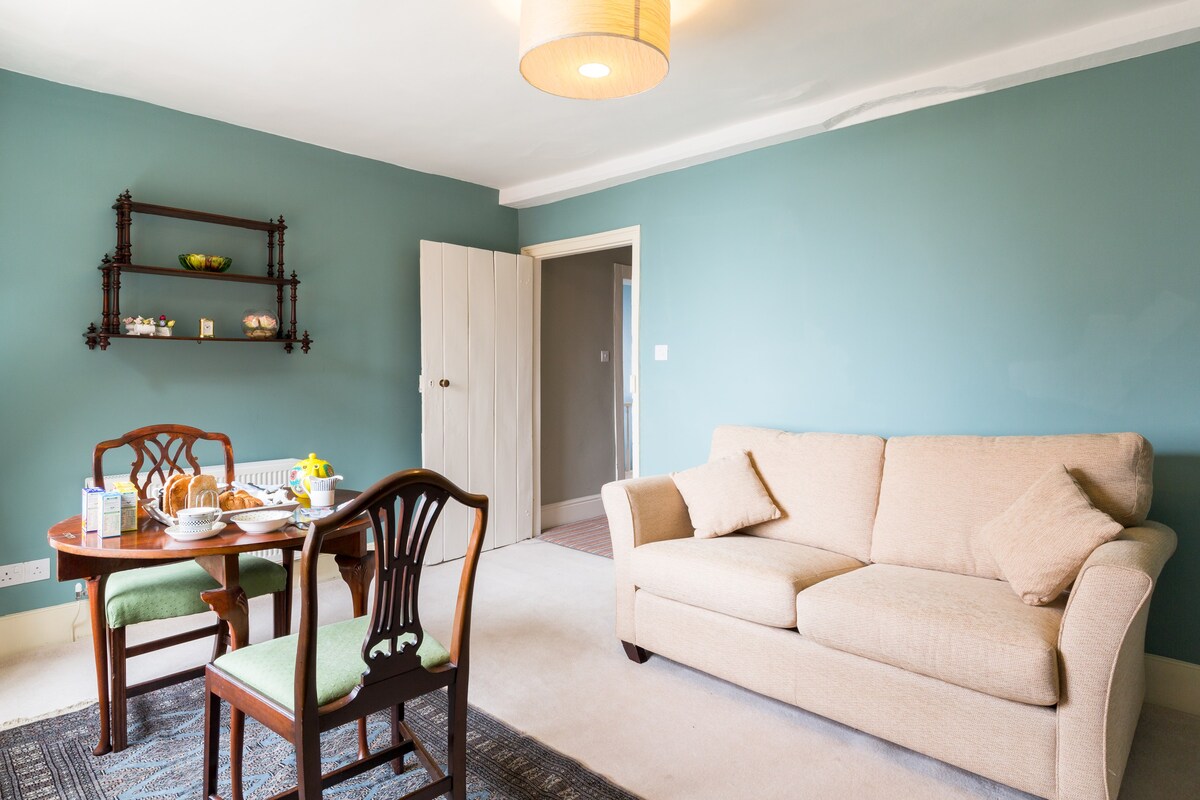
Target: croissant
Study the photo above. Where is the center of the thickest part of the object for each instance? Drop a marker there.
(237, 501)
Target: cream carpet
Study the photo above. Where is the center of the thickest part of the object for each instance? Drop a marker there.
(546, 662)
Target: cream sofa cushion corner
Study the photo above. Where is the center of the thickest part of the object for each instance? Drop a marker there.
(747, 577)
(724, 495)
(939, 491)
(826, 484)
(972, 632)
(1041, 540)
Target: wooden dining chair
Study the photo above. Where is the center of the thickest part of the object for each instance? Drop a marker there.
(302, 685)
(169, 591)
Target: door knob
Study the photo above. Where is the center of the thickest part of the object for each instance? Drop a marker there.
(443, 383)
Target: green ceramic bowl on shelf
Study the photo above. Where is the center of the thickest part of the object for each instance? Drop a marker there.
(202, 263)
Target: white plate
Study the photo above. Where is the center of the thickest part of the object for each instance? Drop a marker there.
(179, 535)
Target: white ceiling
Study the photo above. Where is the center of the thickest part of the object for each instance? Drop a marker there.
(433, 84)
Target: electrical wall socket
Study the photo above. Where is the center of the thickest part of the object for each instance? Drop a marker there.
(12, 574)
(25, 572)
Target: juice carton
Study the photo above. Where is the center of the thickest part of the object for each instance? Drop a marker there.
(129, 504)
(91, 509)
(110, 514)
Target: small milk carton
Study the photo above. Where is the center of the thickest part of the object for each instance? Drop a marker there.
(91, 509)
(110, 514)
(129, 504)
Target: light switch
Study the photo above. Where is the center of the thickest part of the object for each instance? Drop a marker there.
(603, 356)
(660, 352)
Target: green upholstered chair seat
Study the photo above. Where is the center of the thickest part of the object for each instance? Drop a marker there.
(270, 667)
(173, 590)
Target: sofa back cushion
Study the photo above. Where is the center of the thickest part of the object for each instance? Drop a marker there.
(826, 484)
(939, 491)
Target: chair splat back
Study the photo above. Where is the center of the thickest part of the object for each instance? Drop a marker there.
(385, 673)
(159, 452)
(401, 526)
(403, 509)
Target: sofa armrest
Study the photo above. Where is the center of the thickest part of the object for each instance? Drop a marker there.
(1102, 661)
(640, 511)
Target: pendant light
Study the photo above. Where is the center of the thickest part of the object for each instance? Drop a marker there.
(595, 49)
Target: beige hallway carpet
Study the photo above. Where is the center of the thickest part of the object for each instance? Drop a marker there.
(589, 536)
(546, 662)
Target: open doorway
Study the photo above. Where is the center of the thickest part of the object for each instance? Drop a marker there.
(582, 387)
(585, 373)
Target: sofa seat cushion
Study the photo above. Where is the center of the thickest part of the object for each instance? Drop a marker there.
(972, 632)
(748, 577)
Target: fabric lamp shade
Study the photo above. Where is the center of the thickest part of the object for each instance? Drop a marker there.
(595, 49)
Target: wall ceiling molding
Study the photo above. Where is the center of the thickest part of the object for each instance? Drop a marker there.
(435, 87)
(1104, 43)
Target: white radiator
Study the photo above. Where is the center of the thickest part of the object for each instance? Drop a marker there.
(261, 473)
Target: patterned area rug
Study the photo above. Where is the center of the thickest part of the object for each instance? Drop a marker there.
(53, 758)
(589, 536)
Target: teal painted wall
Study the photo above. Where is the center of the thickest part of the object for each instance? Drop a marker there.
(354, 228)
(1023, 262)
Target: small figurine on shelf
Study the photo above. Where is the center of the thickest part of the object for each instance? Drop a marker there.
(139, 326)
(260, 324)
(164, 326)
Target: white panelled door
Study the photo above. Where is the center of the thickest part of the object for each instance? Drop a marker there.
(477, 388)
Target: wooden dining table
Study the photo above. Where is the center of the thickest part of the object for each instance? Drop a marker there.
(89, 557)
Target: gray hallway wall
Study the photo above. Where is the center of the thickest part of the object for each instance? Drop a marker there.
(577, 389)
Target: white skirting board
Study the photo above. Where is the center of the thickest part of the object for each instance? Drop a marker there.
(568, 511)
(1172, 683)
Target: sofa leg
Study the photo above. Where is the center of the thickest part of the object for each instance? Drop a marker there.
(636, 654)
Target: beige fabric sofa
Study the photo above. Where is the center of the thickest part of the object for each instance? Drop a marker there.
(872, 601)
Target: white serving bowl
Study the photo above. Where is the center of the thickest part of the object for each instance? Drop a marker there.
(261, 521)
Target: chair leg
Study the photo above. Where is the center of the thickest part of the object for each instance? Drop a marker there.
(237, 738)
(288, 596)
(457, 739)
(308, 765)
(397, 718)
(120, 703)
(100, 651)
(280, 615)
(220, 641)
(212, 743)
(364, 749)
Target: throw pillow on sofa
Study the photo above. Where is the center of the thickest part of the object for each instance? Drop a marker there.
(724, 495)
(1041, 541)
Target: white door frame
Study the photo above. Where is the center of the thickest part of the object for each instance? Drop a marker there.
(608, 240)
(621, 274)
